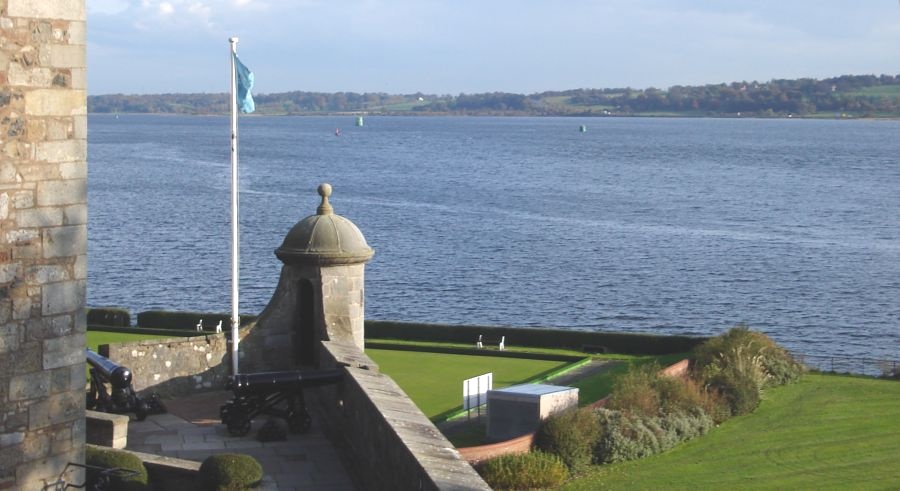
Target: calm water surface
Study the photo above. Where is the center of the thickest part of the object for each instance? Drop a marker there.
(682, 226)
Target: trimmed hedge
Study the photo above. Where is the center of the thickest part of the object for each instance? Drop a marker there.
(107, 458)
(108, 316)
(471, 351)
(230, 472)
(614, 342)
(174, 333)
(162, 319)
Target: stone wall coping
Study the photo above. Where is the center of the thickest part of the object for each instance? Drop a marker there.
(437, 460)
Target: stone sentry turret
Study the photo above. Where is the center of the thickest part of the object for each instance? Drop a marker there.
(320, 295)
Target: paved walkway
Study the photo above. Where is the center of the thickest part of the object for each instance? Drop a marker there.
(192, 430)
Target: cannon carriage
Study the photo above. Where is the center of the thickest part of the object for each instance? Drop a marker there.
(278, 394)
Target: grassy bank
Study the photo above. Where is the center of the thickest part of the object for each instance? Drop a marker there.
(824, 432)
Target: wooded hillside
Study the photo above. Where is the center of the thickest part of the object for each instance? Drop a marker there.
(844, 96)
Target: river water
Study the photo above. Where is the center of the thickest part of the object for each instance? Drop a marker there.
(684, 226)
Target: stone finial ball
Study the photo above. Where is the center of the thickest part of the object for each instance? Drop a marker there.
(324, 190)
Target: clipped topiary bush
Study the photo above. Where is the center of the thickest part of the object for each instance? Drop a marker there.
(534, 470)
(230, 472)
(571, 436)
(137, 480)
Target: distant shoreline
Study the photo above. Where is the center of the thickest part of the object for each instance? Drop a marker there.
(814, 116)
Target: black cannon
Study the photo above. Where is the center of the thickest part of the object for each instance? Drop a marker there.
(278, 394)
(121, 397)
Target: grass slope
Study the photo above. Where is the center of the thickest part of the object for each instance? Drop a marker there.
(434, 380)
(825, 432)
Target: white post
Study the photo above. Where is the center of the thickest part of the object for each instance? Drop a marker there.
(235, 238)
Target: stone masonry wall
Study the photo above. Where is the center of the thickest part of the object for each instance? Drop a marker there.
(43, 240)
(176, 366)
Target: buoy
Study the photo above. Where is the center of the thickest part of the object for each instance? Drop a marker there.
(359, 121)
(582, 128)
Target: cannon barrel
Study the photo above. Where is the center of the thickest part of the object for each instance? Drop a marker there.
(245, 384)
(117, 375)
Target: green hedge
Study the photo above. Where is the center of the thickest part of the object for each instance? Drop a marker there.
(613, 342)
(162, 319)
(108, 316)
(471, 351)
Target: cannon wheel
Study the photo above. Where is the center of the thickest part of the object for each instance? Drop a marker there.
(235, 419)
(239, 428)
(141, 410)
(299, 422)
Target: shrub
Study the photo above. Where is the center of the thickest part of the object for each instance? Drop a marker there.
(571, 436)
(230, 472)
(738, 364)
(646, 391)
(629, 436)
(524, 471)
(753, 354)
(116, 459)
(635, 391)
(739, 392)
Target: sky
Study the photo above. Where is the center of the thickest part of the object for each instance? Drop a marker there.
(463, 46)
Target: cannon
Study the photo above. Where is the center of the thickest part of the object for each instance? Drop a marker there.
(278, 394)
(121, 397)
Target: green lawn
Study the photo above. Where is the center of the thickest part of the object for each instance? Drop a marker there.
(825, 432)
(96, 338)
(434, 380)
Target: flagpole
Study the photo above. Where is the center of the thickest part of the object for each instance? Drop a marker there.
(235, 238)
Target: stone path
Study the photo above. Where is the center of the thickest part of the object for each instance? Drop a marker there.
(192, 430)
(595, 366)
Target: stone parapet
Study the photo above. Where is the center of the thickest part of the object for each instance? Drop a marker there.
(105, 429)
(174, 366)
(384, 437)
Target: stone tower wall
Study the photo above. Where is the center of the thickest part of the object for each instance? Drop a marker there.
(43, 240)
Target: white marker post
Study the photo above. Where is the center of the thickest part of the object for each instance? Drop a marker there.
(235, 237)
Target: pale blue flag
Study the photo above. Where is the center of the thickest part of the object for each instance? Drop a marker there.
(244, 85)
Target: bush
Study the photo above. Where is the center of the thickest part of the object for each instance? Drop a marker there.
(629, 436)
(739, 392)
(230, 472)
(753, 354)
(116, 459)
(647, 392)
(635, 391)
(524, 471)
(571, 436)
